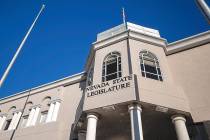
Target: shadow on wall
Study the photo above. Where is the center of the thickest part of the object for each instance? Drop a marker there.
(79, 110)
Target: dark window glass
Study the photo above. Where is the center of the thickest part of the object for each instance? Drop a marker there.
(120, 74)
(150, 69)
(111, 68)
(103, 72)
(111, 76)
(159, 71)
(143, 74)
(8, 122)
(142, 67)
(152, 76)
(103, 79)
(160, 77)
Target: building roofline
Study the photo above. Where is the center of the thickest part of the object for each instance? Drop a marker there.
(171, 48)
(62, 81)
(188, 43)
(118, 30)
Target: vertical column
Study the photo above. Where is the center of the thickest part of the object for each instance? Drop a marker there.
(180, 127)
(17, 120)
(13, 120)
(136, 123)
(91, 126)
(55, 112)
(30, 117)
(50, 112)
(34, 118)
(3, 118)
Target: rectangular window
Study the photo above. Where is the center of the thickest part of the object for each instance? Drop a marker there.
(8, 122)
(43, 117)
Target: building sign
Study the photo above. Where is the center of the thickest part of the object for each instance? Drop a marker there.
(109, 86)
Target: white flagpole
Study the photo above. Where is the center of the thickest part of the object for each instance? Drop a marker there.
(124, 18)
(204, 8)
(123, 14)
(19, 48)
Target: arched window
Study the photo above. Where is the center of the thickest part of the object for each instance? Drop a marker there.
(45, 109)
(111, 67)
(12, 119)
(150, 66)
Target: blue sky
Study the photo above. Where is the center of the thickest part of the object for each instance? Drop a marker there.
(59, 44)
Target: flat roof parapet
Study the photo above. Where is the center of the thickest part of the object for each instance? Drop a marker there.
(122, 28)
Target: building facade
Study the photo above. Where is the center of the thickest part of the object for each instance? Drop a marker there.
(134, 86)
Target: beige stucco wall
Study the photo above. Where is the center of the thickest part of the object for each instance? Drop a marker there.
(70, 97)
(165, 93)
(103, 52)
(122, 95)
(191, 71)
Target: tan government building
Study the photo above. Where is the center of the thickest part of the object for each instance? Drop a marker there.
(135, 86)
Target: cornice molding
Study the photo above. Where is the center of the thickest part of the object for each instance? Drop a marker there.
(61, 82)
(188, 43)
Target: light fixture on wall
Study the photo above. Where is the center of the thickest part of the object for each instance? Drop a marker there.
(108, 108)
(161, 109)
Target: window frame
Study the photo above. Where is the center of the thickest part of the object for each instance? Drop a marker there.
(152, 58)
(119, 66)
